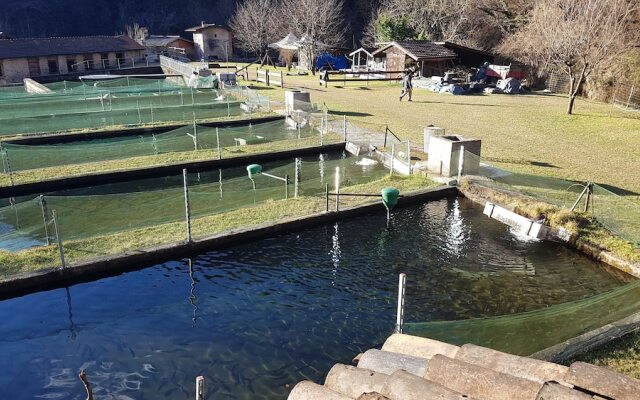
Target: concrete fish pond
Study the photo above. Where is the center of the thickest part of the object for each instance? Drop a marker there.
(255, 319)
(106, 209)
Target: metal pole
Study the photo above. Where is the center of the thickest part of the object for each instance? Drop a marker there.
(286, 187)
(337, 186)
(59, 239)
(43, 206)
(409, 156)
(218, 141)
(460, 164)
(386, 131)
(200, 388)
(195, 132)
(152, 119)
(139, 114)
(344, 128)
(220, 182)
(402, 287)
(393, 157)
(297, 178)
(630, 95)
(187, 207)
(193, 102)
(589, 193)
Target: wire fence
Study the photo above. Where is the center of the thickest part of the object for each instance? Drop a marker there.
(28, 222)
(626, 97)
(617, 213)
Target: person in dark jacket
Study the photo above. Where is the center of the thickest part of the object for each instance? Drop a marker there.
(407, 83)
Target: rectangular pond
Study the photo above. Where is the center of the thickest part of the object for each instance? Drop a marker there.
(257, 318)
(102, 210)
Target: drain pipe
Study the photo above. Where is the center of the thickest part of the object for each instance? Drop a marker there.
(402, 287)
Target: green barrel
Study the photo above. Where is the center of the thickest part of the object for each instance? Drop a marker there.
(390, 197)
(254, 169)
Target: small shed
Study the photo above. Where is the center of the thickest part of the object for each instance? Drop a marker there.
(468, 56)
(362, 59)
(428, 57)
(171, 46)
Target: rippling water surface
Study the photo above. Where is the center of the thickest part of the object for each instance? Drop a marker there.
(257, 318)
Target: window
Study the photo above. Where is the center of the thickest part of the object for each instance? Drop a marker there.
(53, 65)
(88, 61)
(1, 74)
(34, 66)
(105, 60)
(71, 64)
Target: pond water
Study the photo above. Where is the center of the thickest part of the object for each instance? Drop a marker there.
(257, 318)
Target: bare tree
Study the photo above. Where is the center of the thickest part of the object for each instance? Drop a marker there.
(319, 22)
(137, 32)
(254, 26)
(576, 37)
(446, 20)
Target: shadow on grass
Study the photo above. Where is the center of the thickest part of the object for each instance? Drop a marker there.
(351, 113)
(459, 104)
(260, 88)
(521, 162)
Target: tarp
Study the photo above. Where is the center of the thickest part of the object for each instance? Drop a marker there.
(336, 62)
(509, 85)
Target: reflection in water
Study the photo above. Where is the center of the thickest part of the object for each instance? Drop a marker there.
(192, 294)
(267, 314)
(73, 330)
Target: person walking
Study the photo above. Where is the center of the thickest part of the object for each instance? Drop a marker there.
(407, 84)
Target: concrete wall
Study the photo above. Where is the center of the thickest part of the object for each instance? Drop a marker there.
(211, 42)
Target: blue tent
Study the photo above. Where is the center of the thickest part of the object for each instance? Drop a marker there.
(323, 61)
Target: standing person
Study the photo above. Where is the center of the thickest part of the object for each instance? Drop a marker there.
(407, 84)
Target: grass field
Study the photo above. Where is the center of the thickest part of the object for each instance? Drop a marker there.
(523, 133)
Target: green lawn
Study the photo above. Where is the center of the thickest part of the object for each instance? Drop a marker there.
(523, 133)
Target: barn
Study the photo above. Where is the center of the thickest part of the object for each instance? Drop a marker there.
(427, 57)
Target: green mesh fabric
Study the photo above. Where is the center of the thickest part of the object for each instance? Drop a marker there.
(526, 333)
(22, 225)
(109, 104)
(24, 157)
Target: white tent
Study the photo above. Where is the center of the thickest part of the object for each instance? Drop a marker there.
(289, 42)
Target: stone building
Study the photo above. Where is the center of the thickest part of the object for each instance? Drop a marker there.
(212, 42)
(55, 56)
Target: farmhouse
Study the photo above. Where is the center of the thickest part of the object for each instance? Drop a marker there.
(212, 42)
(172, 46)
(428, 57)
(39, 57)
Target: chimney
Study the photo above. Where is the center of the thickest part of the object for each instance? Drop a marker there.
(202, 22)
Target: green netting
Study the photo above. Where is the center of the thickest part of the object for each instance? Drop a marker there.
(22, 225)
(24, 157)
(526, 333)
(615, 212)
(109, 103)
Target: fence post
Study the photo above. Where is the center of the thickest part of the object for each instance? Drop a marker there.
(195, 132)
(393, 157)
(218, 143)
(344, 128)
(386, 132)
(193, 101)
(43, 206)
(139, 113)
(286, 187)
(281, 80)
(337, 183)
(152, 119)
(402, 287)
(297, 178)
(460, 164)
(267, 78)
(200, 388)
(58, 238)
(630, 95)
(409, 156)
(187, 208)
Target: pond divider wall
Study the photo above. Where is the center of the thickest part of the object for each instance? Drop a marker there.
(56, 138)
(139, 259)
(103, 178)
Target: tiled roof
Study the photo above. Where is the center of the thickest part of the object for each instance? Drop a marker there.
(59, 46)
(202, 26)
(420, 49)
(161, 41)
(410, 367)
